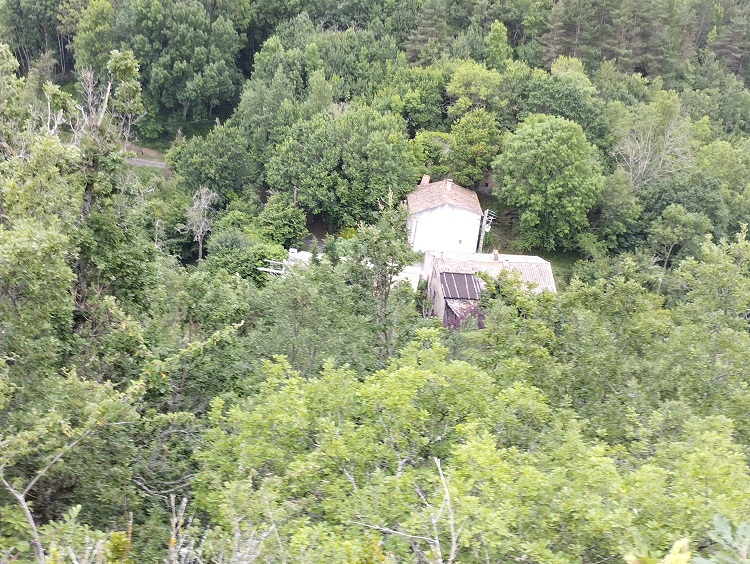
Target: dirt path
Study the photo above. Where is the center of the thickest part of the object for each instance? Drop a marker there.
(146, 162)
(145, 157)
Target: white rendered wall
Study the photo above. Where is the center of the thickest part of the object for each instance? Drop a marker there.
(435, 295)
(445, 228)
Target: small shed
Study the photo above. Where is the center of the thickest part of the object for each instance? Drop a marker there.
(443, 216)
(455, 297)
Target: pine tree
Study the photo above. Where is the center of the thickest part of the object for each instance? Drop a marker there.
(431, 35)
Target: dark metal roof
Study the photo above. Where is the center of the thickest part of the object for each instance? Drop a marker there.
(459, 286)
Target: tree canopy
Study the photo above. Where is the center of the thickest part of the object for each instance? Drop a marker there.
(549, 170)
(178, 385)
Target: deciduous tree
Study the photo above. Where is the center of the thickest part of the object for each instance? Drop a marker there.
(281, 221)
(549, 170)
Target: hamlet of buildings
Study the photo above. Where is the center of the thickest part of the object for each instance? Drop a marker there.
(446, 223)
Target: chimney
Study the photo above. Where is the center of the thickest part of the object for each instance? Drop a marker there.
(448, 184)
(495, 254)
(425, 180)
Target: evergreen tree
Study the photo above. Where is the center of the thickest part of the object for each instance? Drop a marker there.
(429, 39)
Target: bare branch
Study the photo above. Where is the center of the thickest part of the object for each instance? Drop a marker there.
(393, 532)
(36, 539)
(54, 461)
(275, 530)
(451, 514)
(198, 221)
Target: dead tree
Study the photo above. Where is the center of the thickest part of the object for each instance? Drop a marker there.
(198, 217)
(434, 553)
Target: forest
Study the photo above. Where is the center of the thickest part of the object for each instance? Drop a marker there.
(163, 399)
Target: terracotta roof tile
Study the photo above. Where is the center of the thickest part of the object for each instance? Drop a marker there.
(434, 194)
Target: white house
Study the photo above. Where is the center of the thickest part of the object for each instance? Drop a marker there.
(443, 216)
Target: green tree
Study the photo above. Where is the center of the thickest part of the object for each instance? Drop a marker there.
(217, 161)
(30, 29)
(616, 217)
(81, 413)
(386, 452)
(417, 94)
(309, 301)
(378, 255)
(126, 106)
(281, 222)
(694, 189)
(474, 86)
(716, 92)
(549, 170)
(345, 167)
(677, 228)
(432, 149)
(13, 113)
(612, 84)
(728, 164)
(474, 144)
(428, 40)
(95, 37)
(187, 52)
(36, 307)
(239, 253)
(574, 30)
(320, 96)
(497, 50)
(662, 484)
(567, 92)
(266, 111)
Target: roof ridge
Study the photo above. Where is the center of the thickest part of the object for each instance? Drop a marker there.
(442, 192)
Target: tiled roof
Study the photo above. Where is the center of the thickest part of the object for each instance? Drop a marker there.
(534, 272)
(434, 194)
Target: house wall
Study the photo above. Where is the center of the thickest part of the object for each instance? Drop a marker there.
(486, 185)
(435, 294)
(451, 320)
(445, 228)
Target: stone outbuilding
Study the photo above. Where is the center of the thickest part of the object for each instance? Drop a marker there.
(453, 287)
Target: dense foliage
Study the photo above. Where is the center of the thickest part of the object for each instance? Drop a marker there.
(147, 357)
